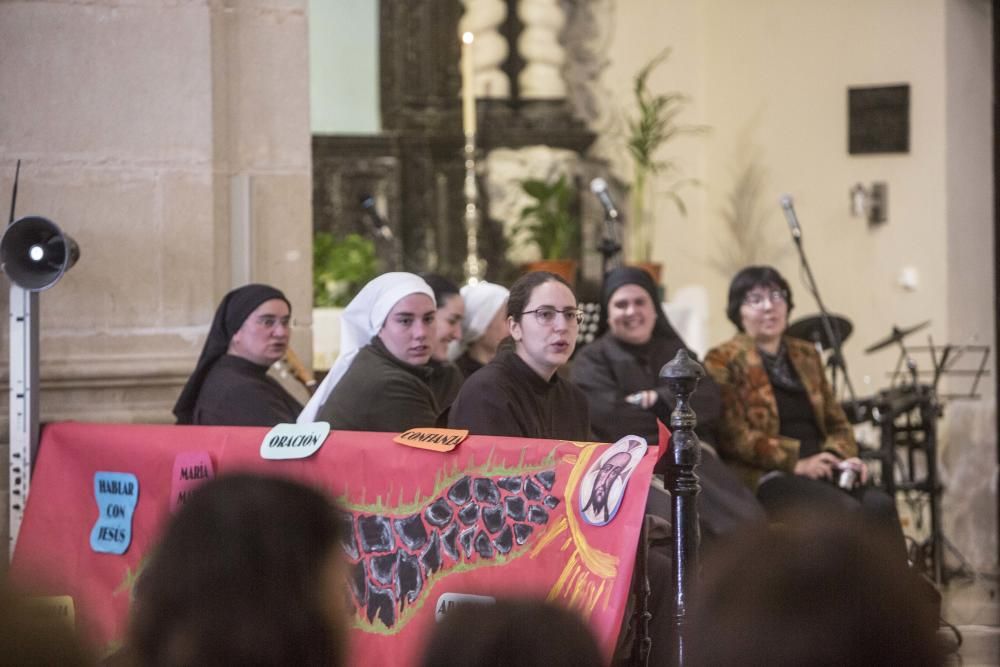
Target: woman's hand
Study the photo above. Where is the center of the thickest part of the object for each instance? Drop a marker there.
(817, 466)
(644, 399)
(858, 466)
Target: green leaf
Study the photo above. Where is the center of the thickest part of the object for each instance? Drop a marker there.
(537, 189)
(341, 267)
(547, 223)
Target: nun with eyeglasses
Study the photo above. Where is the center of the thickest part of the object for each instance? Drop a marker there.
(230, 385)
(519, 393)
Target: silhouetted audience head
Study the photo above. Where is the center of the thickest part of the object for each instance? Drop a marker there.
(526, 633)
(811, 591)
(249, 572)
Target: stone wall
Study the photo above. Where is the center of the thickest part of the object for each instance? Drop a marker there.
(171, 140)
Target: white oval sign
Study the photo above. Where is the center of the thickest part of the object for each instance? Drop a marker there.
(603, 485)
(294, 441)
(448, 602)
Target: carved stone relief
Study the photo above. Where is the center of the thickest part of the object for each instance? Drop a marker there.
(419, 89)
(505, 169)
(538, 44)
(483, 18)
(347, 169)
(587, 37)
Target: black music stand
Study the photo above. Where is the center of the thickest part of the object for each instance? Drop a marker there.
(967, 362)
(907, 413)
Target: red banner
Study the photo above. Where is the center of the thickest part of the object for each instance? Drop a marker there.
(494, 517)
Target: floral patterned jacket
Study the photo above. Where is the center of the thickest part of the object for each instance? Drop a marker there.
(748, 438)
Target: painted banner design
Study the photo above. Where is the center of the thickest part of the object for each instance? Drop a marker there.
(494, 517)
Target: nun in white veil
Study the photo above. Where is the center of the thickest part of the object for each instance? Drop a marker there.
(380, 380)
(484, 326)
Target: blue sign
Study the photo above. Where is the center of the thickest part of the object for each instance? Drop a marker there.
(117, 494)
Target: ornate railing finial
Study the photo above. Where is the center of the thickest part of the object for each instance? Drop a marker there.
(681, 375)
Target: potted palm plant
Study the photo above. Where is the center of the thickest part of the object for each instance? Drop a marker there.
(549, 225)
(654, 126)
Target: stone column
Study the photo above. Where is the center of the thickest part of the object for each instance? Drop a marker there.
(172, 141)
(544, 56)
(483, 19)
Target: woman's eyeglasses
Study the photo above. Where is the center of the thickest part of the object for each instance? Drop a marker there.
(546, 315)
(756, 299)
(270, 321)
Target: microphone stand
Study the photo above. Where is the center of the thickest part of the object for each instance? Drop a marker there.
(609, 245)
(831, 333)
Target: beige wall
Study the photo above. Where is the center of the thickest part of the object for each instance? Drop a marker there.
(134, 120)
(777, 79)
(968, 456)
(642, 29)
(770, 79)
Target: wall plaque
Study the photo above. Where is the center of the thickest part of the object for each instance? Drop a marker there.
(878, 119)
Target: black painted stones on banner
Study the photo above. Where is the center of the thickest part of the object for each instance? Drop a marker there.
(476, 521)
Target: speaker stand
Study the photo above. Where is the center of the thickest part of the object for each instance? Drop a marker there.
(23, 401)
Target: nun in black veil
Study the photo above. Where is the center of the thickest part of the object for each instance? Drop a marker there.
(229, 385)
(619, 373)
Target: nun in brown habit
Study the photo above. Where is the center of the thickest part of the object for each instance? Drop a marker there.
(519, 393)
(230, 385)
(619, 374)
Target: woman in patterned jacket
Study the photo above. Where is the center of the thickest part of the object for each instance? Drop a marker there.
(782, 429)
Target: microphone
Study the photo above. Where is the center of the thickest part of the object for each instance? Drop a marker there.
(793, 222)
(600, 188)
(379, 225)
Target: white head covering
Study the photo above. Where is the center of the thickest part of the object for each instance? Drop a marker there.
(362, 319)
(482, 301)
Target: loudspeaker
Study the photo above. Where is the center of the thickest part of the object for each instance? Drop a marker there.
(35, 253)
